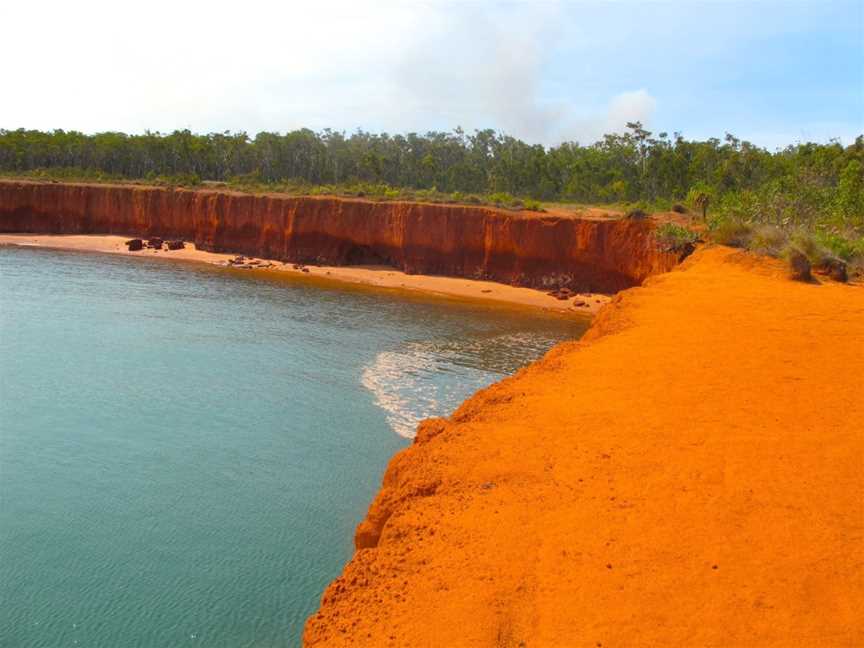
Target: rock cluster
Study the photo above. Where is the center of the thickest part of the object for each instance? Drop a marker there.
(245, 263)
(154, 243)
(564, 293)
(561, 293)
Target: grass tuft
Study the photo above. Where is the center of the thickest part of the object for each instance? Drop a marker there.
(768, 239)
(733, 233)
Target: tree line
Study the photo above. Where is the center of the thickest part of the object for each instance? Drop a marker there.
(803, 183)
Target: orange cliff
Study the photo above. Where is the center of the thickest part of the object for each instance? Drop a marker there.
(524, 248)
(691, 473)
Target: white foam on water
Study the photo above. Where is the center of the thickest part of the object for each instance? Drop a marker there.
(427, 379)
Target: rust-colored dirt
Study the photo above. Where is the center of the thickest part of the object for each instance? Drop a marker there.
(690, 474)
(589, 254)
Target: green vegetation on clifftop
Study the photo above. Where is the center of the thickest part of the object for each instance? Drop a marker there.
(817, 188)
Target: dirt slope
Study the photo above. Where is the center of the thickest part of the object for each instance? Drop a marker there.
(691, 474)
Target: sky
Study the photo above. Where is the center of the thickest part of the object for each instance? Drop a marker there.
(774, 73)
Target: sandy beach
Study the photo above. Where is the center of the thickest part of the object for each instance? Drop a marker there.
(376, 276)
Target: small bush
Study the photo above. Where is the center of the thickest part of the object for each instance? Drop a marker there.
(637, 214)
(843, 247)
(799, 264)
(678, 208)
(674, 238)
(807, 244)
(533, 205)
(500, 198)
(700, 198)
(768, 239)
(733, 233)
(834, 268)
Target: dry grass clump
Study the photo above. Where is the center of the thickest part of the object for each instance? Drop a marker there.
(821, 259)
(733, 233)
(768, 239)
(832, 255)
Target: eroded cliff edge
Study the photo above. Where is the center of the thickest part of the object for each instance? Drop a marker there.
(688, 474)
(525, 249)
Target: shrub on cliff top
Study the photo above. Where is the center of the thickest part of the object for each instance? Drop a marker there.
(799, 264)
(733, 233)
(848, 248)
(500, 199)
(807, 244)
(675, 238)
(768, 239)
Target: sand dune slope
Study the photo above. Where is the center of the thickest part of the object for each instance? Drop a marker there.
(690, 474)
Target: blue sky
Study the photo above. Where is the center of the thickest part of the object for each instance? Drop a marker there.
(771, 72)
(774, 72)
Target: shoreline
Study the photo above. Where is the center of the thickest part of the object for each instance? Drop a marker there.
(382, 277)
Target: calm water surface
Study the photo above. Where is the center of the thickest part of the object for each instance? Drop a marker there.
(185, 451)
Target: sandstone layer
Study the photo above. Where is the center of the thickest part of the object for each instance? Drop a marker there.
(520, 248)
(691, 473)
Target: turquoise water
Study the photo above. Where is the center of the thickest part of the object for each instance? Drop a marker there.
(185, 451)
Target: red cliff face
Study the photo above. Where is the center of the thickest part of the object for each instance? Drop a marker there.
(527, 249)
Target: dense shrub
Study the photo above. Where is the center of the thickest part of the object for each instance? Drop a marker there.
(675, 238)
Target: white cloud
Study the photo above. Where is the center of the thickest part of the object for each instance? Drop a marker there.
(542, 71)
(633, 106)
(393, 66)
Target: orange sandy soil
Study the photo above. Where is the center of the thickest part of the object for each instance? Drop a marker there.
(375, 276)
(689, 474)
